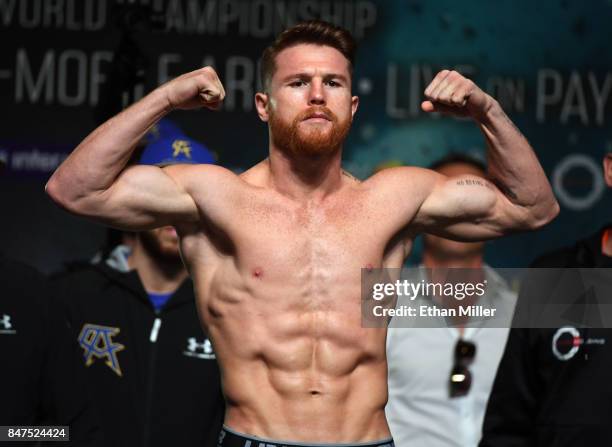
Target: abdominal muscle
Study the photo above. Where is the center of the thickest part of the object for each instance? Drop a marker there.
(282, 305)
(296, 364)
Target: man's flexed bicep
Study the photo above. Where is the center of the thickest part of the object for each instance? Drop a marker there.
(468, 207)
(95, 182)
(518, 195)
(142, 197)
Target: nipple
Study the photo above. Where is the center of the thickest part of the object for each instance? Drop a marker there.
(258, 272)
(369, 267)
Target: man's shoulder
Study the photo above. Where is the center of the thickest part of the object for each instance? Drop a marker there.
(256, 176)
(202, 177)
(403, 172)
(401, 180)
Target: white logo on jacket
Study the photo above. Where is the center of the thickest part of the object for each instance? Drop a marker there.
(5, 321)
(202, 350)
(566, 342)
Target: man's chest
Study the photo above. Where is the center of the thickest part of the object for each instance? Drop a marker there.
(328, 241)
(316, 240)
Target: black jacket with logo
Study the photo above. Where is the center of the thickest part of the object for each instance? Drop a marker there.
(41, 382)
(551, 395)
(154, 376)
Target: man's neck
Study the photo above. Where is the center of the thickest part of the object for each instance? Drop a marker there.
(432, 260)
(305, 177)
(157, 276)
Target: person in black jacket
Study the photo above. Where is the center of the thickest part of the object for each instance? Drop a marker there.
(553, 386)
(41, 381)
(149, 363)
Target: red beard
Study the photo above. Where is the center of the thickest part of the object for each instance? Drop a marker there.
(312, 142)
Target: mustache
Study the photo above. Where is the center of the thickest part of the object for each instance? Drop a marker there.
(317, 111)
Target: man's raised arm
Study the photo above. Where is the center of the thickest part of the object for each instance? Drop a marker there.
(516, 194)
(94, 181)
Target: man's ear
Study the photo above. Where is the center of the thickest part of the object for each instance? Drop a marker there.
(607, 165)
(354, 105)
(262, 101)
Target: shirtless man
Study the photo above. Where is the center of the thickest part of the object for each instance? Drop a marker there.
(276, 253)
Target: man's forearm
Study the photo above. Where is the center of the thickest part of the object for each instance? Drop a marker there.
(513, 166)
(97, 161)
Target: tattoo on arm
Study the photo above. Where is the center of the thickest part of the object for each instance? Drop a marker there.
(473, 182)
(481, 182)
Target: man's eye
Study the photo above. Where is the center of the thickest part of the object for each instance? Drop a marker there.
(297, 83)
(332, 83)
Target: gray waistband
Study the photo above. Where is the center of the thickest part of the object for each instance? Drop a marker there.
(308, 444)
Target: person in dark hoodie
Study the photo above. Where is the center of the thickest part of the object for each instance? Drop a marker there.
(553, 386)
(149, 364)
(42, 384)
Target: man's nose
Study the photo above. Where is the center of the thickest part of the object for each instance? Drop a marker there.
(316, 94)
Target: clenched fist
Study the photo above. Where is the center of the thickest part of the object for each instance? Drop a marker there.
(199, 88)
(453, 94)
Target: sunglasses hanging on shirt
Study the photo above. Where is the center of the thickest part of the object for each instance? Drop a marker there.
(461, 377)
